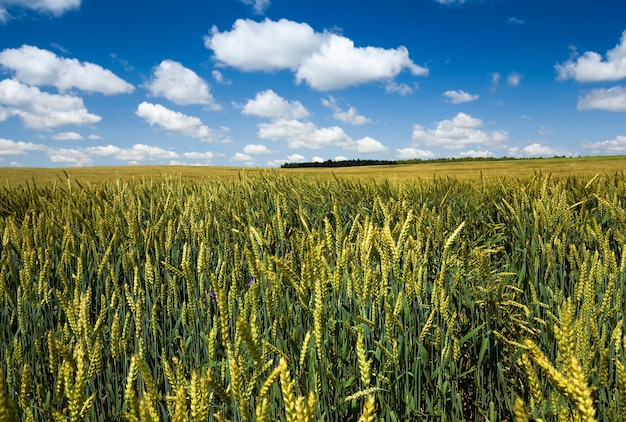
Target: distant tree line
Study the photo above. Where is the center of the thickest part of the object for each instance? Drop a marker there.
(342, 163)
(359, 162)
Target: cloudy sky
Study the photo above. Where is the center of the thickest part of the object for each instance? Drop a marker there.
(262, 82)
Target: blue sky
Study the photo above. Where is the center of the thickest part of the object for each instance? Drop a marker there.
(262, 82)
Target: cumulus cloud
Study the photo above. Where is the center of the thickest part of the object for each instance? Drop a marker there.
(87, 155)
(258, 6)
(307, 135)
(350, 116)
(339, 64)
(477, 154)
(538, 150)
(612, 99)
(256, 149)
(68, 136)
(411, 153)
(459, 97)
(613, 146)
(176, 122)
(137, 152)
(41, 110)
(240, 157)
(54, 7)
(180, 85)
(457, 133)
(304, 134)
(10, 147)
(265, 46)
(35, 66)
(592, 67)
(207, 155)
(317, 159)
(69, 156)
(514, 79)
(296, 158)
(397, 88)
(368, 145)
(94, 137)
(271, 105)
(325, 61)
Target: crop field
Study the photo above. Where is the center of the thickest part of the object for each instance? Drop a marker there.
(276, 296)
(558, 167)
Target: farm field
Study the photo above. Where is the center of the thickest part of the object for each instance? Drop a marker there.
(274, 295)
(558, 167)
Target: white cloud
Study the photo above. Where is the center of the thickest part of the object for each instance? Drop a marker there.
(477, 154)
(40, 110)
(307, 135)
(341, 158)
(180, 85)
(339, 64)
(396, 88)
(324, 61)
(9, 147)
(68, 136)
(219, 78)
(15, 163)
(538, 150)
(515, 21)
(317, 159)
(36, 66)
(457, 133)
(258, 6)
(368, 145)
(137, 152)
(269, 104)
(351, 116)
(54, 7)
(614, 146)
(176, 122)
(592, 67)
(612, 99)
(71, 157)
(266, 46)
(85, 156)
(94, 137)
(296, 158)
(256, 149)
(451, 1)
(304, 134)
(207, 155)
(277, 162)
(514, 79)
(411, 153)
(240, 157)
(459, 97)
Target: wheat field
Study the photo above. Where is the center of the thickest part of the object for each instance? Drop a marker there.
(267, 297)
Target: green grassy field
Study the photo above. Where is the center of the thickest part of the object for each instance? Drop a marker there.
(560, 167)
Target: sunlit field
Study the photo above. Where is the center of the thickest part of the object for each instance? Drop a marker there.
(559, 167)
(481, 291)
